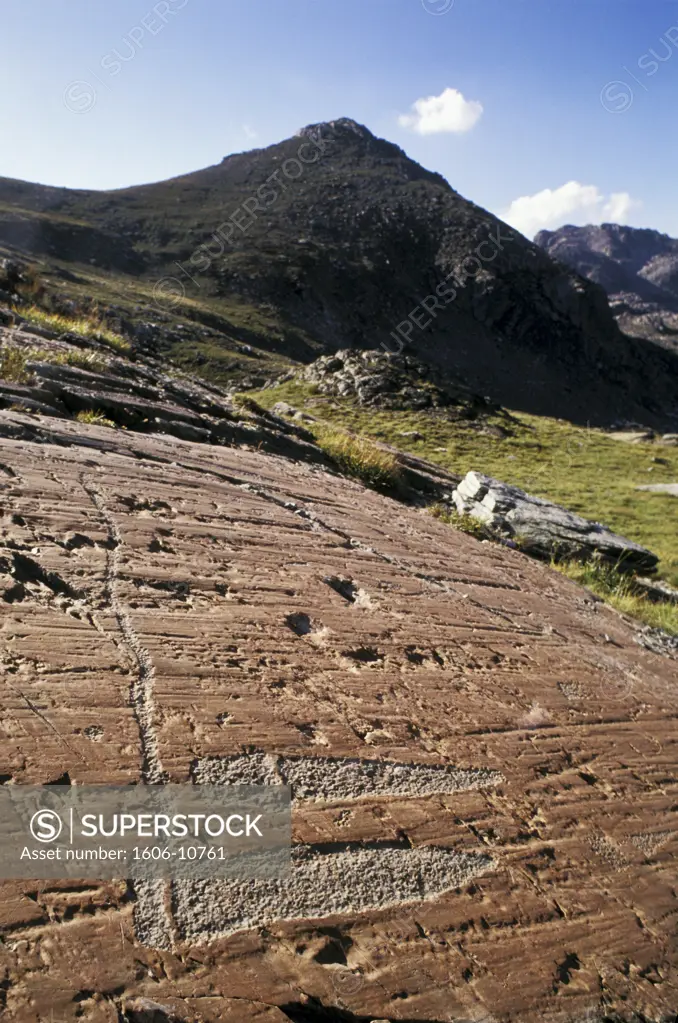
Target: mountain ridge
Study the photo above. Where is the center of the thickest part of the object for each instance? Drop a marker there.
(352, 242)
(637, 267)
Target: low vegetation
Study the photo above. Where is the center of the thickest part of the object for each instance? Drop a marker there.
(243, 401)
(91, 361)
(465, 523)
(582, 469)
(84, 326)
(619, 591)
(13, 365)
(360, 458)
(93, 418)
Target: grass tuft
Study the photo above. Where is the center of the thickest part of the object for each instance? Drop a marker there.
(13, 365)
(618, 590)
(465, 523)
(91, 361)
(359, 457)
(243, 401)
(93, 418)
(84, 326)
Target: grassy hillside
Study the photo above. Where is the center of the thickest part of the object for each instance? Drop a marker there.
(583, 469)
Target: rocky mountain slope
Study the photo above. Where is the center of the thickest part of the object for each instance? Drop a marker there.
(637, 267)
(189, 609)
(481, 754)
(335, 239)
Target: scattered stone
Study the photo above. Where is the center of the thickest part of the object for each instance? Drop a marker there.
(633, 436)
(656, 589)
(281, 408)
(544, 529)
(661, 488)
(658, 641)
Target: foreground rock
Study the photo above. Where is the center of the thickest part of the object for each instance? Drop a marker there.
(504, 742)
(544, 529)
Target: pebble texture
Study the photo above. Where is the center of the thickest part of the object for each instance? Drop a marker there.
(172, 610)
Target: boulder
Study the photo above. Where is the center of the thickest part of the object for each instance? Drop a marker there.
(544, 529)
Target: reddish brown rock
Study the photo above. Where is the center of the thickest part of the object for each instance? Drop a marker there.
(166, 605)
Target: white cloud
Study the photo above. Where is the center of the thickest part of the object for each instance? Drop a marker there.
(572, 203)
(250, 133)
(449, 112)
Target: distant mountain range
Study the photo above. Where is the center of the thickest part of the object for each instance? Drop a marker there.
(637, 267)
(333, 239)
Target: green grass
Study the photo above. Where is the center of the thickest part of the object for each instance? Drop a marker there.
(93, 418)
(84, 326)
(13, 365)
(359, 458)
(619, 592)
(585, 470)
(465, 523)
(91, 361)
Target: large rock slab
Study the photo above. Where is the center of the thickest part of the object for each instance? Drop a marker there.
(506, 741)
(545, 529)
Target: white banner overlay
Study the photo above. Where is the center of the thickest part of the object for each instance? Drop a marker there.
(144, 831)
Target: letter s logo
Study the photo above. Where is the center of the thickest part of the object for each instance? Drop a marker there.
(46, 825)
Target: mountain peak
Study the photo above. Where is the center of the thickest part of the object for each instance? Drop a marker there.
(342, 127)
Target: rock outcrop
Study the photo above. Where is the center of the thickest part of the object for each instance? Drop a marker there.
(377, 379)
(482, 757)
(637, 267)
(544, 529)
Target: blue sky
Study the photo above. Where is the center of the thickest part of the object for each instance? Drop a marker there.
(560, 104)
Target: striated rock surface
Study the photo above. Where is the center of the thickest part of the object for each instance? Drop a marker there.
(545, 529)
(203, 613)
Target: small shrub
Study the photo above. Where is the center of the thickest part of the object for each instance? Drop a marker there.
(93, 418)
(360, 458)
(13, 365)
